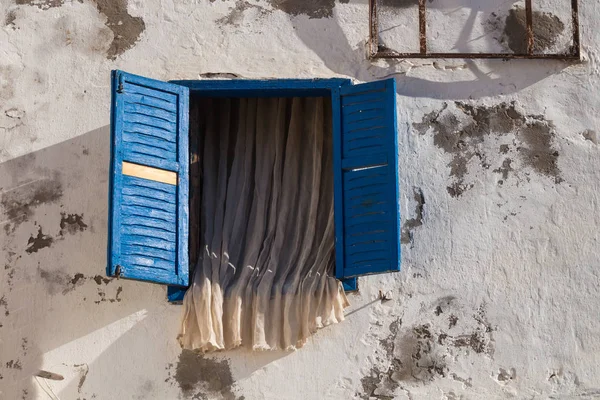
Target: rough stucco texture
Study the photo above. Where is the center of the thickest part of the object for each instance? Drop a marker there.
(498, 294)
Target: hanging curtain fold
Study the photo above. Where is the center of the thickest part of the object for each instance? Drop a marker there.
(265, 275)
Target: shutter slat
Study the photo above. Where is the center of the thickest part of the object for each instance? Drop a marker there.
(149, 130)
(143, 109)
(149, 200)
(131, 98)
(366, 190)
(351, 120)
(149, 242)
(150, 141)
(358, 109)
(142, 211)
(153, 91)
(149, 222)
(362, 98)
(146, 251)
(168, 128)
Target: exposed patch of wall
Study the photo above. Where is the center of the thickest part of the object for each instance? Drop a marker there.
(461, 129)
(236, 13)
(412, 223)
(590, 135)
(42, 4)
(18, 203)
(413, 355)
(57, 281)
(398, 3)
(71, 223)
(38, 242)
(201, 377)
(126, 28)
(311, 8)
(547, 28)
(9, 20)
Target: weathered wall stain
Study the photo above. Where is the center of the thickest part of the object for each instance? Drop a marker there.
(18, 203)
(547, 28)
(10, 18)
(71, 223)
(236, 13)
(417, 220)
(313, 9)
(99, 279)
(219, 75)
(504, 169)
(59, 281)
(462, 132)
(4, 305)
(590, 135)
(380, 383)
(38, 242)
(202, 377)
(421, 353)
(84, 369)
(102, 296)
(126, 28)
(42, 4)
(14, 364)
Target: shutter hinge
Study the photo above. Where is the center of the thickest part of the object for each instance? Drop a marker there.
(118, 271)
(120, 85)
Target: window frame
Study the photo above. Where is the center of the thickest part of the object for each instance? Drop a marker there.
(271, 88)
(375, 52)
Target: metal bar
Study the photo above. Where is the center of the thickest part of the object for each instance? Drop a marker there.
(576, 50)
(503, 56)
(574, 54)
(373, 28)
(529, 22)
(422, 27)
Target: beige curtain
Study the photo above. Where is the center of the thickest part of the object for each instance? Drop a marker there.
(265, 277)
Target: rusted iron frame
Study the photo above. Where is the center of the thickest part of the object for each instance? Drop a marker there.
(422, 28)
(529, 23)
(373, 28)
(374, 39)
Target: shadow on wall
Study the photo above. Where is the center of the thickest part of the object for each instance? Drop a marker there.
(327, 39)
(58, 310)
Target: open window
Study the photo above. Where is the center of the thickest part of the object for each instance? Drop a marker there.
(154, 223)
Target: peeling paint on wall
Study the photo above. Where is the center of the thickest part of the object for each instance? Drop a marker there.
(18, 203)
(42, 4)
(412, 223)
(9, 20)
(71, 223)
(511, 30)
(313, 9)
(429, 350)
(310, 8)
(36, 243)
(463, 130)
(126, 28)
(202, 377)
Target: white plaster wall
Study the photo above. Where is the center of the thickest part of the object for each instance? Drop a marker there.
(498, 294)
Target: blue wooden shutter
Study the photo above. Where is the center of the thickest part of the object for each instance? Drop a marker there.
(367, 212)
(148, 232)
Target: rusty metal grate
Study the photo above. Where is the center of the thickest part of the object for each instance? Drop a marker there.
(377, 51)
